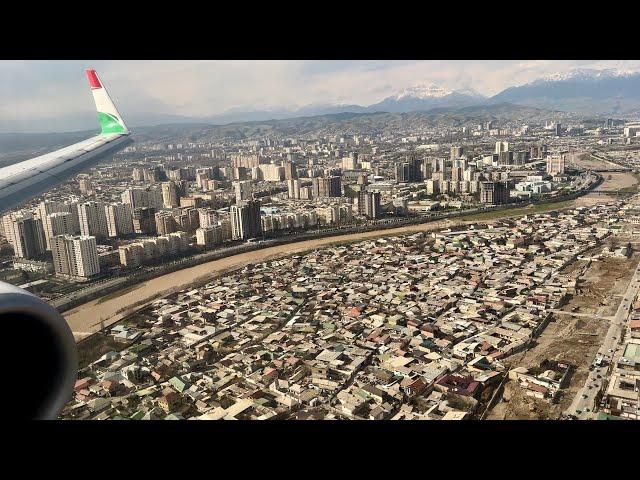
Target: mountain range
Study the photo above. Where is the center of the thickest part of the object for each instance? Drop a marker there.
(583, 91)
(608, 92)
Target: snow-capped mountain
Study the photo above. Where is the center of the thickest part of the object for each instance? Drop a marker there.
(423, 91)
(586, 74)
(607, 91)
(426, 97)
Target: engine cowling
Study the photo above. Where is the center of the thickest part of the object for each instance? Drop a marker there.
(46, 357)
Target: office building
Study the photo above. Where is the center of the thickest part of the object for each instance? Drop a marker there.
(558, 129)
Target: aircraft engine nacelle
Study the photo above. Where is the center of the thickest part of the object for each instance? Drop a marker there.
(46, 359)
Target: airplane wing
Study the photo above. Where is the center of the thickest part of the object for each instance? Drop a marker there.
(24, 180)
(52, 350)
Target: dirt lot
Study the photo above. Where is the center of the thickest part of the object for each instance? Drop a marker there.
(572, 337)
(588, 161)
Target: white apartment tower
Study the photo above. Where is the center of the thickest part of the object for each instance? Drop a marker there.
(75, 256)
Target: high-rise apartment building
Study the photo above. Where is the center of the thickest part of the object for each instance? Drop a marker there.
(555, 164)
(456, 152)
(170, 197)
(207, 217)
(25, 234)
(243, 190)
(48, 207)
(75, 256)
(93, 220)
(369, 204)
(119, 219)
(209, 236)
(495, 193)
(433, 187)
(502, 147)
(245, 220)
(293, 188)
(349, 163)
(165, 223)
(59, 223)
(290, 171)
(86, 188)
(144, 220)
(327, 187)
(136, 197)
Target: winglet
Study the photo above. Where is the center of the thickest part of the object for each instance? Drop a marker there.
(110, 120)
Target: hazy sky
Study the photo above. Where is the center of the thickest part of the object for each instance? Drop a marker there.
(54, 96)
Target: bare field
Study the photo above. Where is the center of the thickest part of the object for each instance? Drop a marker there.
(573, 337)
(589, 162)
(618, 181)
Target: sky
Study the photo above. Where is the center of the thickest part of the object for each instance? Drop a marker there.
(53, 95)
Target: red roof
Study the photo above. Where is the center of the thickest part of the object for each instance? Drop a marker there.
(537, 388)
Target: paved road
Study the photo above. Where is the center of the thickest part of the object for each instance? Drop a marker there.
(584, 401)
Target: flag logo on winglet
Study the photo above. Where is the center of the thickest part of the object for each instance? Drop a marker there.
(93, 79)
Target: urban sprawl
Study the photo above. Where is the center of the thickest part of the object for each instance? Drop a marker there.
(425, 325)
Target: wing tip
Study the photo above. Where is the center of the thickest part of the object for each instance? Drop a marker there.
(94, 81)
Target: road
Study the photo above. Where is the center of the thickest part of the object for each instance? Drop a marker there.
(584, 401)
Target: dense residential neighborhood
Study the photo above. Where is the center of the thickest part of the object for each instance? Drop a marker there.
(411, 327)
